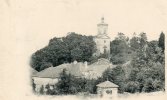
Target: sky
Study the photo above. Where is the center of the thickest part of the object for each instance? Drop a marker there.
(28, 25)
(41, 20)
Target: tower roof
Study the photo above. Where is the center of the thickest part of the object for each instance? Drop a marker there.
(107, 84)
(102, 22)
(54, 72)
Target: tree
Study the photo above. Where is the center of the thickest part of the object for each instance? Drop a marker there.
(134, 43)
(33, 85)
(41, 90)
(66, 84)
(63, 50)
(158, 85)
(121, 36)
(115, 75)
(45, 65)
(120, 50)
(76, 54)
(148, 69)
(132, 87)
(50, 91)
(161, 43)
(148, 86)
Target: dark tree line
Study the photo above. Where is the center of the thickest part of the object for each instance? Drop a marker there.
(63, 50)
(146, 72)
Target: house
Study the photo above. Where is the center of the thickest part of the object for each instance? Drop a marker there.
(50, 76)
(33, 71)
(107, 88)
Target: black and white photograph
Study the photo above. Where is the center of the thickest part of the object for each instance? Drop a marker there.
(83, 50)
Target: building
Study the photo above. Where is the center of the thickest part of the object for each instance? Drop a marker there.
(107, 88)
(33, 72)
(50, 76)
(102, 39)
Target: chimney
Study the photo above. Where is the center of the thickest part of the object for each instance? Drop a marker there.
(86, 64)
(75, 62)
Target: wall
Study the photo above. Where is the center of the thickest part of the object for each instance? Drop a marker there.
(100, 44)
(44, 81)
(102, 91)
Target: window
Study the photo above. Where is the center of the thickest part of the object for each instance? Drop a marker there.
(104, 41)
(109, 91)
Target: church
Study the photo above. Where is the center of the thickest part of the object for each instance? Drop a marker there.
(102, 39)
(79, 69)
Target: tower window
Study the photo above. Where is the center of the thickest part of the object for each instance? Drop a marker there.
(104, 41)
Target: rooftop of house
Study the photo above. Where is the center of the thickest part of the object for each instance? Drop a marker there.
(107, 84)
(33, 72)
(54, 72)
(78, 69)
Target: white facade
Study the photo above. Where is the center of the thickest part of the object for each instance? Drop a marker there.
(39, 82)
(107, 91)
(103, 45)
(102, 40)
(107, 88)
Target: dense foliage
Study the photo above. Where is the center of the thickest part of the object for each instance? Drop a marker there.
(61, 50)
(120, 50)
(161, 42)
(144, 73)
(115, 75)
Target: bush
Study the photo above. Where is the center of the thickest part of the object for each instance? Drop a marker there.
(41, 90)
(132, 87)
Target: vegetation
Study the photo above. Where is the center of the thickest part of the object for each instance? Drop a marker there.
(68, 84)
(33, 85)
(146, 70)
(161, 42)
(62, 50)
(120, 50)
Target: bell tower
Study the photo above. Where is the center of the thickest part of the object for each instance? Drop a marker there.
(102, 27)
(102, 39)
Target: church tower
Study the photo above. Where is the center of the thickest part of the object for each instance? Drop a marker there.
(102, 39)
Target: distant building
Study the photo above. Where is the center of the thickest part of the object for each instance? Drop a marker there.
(107, 88)
(102, 39)
(78, 69)
(50, 76)
(33, 72)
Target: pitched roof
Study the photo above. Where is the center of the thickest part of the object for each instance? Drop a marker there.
(107, 84)
(54, 72)
(79, 69)
(33, 72)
